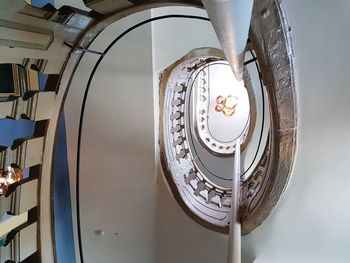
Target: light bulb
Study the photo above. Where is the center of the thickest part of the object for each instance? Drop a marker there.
(226, 105)
(230, 102)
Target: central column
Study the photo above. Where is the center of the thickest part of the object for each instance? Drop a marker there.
(234, 249)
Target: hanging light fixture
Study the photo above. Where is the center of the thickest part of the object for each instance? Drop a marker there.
(226, 105)
(9, 176)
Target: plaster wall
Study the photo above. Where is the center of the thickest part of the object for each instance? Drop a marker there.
(119, 192)
(311, 224)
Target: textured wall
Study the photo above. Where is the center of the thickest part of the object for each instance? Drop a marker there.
(311, 223)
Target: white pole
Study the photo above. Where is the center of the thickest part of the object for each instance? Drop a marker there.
(231, 20)
(234, 249)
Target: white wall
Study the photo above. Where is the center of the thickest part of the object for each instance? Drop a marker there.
(119, 192)
(311, 224)
(116, 131)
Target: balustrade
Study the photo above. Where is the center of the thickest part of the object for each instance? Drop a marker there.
(32, 40)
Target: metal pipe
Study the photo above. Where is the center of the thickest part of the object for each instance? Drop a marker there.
(231, 21)
(234, 249)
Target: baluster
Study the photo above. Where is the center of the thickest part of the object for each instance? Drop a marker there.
(20, 243)
(35, 106)
(20, 197)
(24, 153)
(34, 46)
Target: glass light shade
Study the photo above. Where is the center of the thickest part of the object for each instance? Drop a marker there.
(3, 184)
(8, 177)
